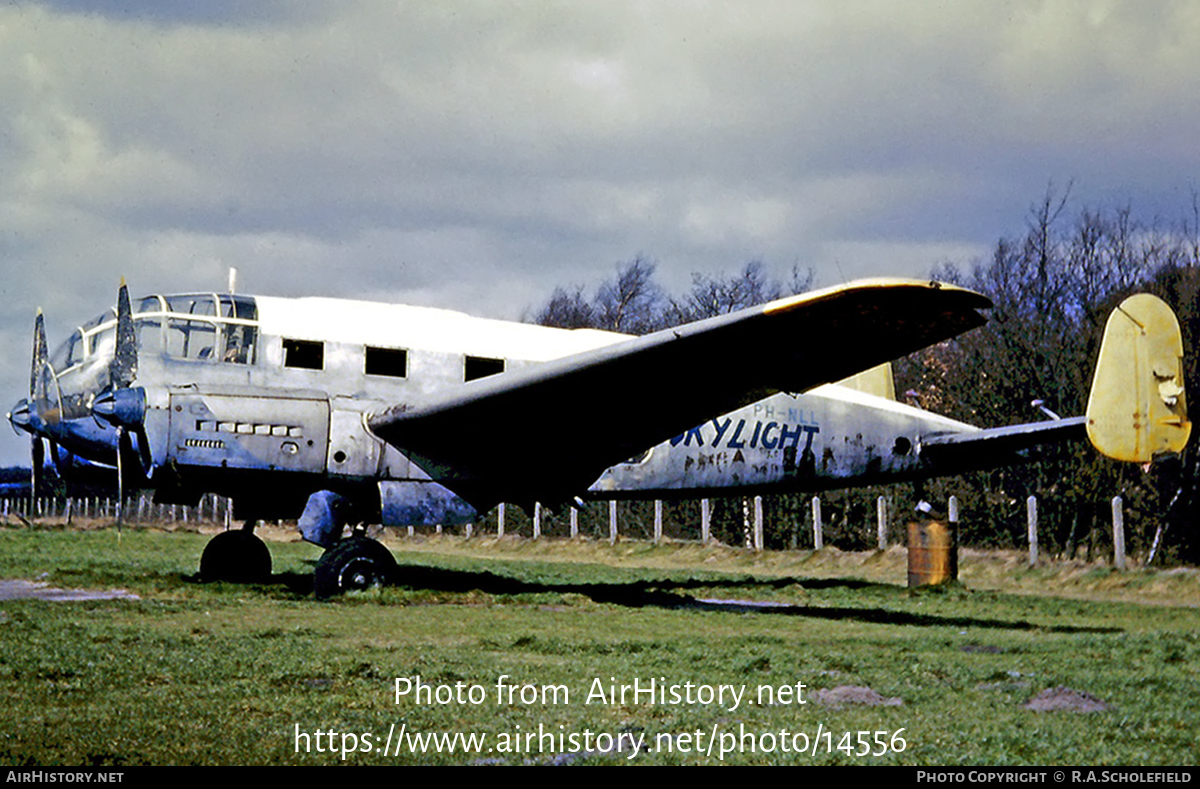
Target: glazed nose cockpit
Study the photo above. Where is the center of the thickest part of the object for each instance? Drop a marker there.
(82, 397)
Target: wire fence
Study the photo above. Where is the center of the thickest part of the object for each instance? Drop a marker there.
(754, 523)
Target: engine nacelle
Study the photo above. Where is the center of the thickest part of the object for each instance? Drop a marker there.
(401, 503)
(422, 503)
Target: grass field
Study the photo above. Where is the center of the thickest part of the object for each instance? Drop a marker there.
(194, 673)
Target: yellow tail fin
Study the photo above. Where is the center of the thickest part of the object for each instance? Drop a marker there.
(1137, 409)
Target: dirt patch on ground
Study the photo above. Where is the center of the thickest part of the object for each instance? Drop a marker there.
(1066, 700)
(39, 590)
(854, 694)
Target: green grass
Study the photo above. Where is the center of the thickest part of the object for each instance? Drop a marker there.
(198, 673)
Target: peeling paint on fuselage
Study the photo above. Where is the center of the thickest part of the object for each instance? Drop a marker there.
(830, 437)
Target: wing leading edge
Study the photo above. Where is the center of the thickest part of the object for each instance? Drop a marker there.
(546, 433)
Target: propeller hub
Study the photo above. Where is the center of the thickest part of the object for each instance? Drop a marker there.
(22, 417)
(121, 407)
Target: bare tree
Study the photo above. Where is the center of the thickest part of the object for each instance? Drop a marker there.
(718, 295)
(632, 302)
(802, 280)
(1053, 289)
(567, 309)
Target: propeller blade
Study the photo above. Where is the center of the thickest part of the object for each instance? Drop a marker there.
(147, 462)
(57, 461)
(122, 435)
(63, 462)
(123, 367)
(37, 452)
(39, 359)
(132, 464)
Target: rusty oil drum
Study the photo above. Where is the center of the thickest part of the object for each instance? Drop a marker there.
(932, 553)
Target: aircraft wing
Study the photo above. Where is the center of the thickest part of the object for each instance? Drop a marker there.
(546, 433)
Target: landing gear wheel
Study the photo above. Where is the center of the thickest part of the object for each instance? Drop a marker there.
(351, 565)
(238, 556)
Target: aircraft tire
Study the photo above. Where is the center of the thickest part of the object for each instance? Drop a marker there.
(354, 564)
(238, 556)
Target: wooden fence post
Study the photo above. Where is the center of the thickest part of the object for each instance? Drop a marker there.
(818, 534)
(1118, 520)
(881, 517)
(758, 523)
(705, 518)
(1032, 516)
(658, 521)
(612, 522)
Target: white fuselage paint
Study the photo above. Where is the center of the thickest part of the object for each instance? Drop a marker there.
(828, 437)
(848, 433)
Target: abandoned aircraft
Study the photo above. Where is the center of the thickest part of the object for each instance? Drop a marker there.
(339, 413)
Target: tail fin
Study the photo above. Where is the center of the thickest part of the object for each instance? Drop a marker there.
(1136, 409)
(876, 381)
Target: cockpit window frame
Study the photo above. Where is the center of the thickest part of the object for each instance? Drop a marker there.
(85, 342)
(75, 350)
(235, 347)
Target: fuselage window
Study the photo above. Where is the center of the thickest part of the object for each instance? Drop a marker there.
(81, 343)
(103, 342)
(149, 334)
(202, 304)
(240, 339)
(69, 353)
(239, 344)
(202, 327)
(304, 354)
(481, 367)
(391, 362)
(191, 339)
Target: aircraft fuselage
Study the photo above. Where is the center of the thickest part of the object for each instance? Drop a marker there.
(267, 399)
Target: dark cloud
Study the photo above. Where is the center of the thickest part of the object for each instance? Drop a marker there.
(476, 155)
(211, 13)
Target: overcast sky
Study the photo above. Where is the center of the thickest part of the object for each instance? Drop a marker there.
(475, 155)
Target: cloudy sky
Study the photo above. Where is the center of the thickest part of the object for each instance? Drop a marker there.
(476, 154)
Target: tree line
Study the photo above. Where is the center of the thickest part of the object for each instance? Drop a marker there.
(632, 302)
(1053, 287)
